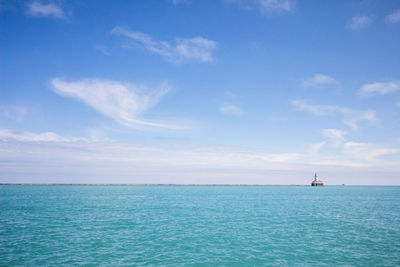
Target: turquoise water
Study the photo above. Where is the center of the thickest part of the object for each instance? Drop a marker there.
(199, 225)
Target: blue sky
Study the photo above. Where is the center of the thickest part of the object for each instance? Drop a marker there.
(189, 91)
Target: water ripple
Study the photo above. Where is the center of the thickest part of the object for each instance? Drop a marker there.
(199, 226)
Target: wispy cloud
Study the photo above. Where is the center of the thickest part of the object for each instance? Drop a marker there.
(315, 148)
(34, 157)
(266, 6)
(231, 95)
(102, 49)
(339, 163)
(282, 157)
(6, 134)
(393, 17)
(318, 80)
(204, 155)
(359, 22)
(181, 50)
(352, 117)
(178, 2)
(231, 109)
(335, 136)
(13, 112)
(367, 152)
(381, 88)
(360, 155)
(51, 10)
(123, 102)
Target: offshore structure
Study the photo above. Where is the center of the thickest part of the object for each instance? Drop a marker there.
(316, 181)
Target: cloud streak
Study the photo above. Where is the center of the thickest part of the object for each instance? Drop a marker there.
(228, 108)
(367, 152)
(7, 135)
(266, 6)
(181, 50)
(359, 23)
(334, 135)
(32, 155)
(13, 112)
(318, 80)
(39, 157)
(51, 10)
(394, 17)
(352, 117)
(380, 88)
(178, 2)
(123, 102)
(360, 155)
(102, 49)
(190, 155)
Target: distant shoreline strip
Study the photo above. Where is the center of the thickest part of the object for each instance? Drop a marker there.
(160, 184)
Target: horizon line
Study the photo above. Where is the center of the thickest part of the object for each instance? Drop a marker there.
(172, 184)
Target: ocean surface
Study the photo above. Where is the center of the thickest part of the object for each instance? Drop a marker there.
(199, 225)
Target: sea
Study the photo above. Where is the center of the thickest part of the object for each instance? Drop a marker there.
(131, 225)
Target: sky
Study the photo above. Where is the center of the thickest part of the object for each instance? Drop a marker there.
(200, 91)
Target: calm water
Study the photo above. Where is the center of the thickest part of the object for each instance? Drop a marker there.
(199, 225)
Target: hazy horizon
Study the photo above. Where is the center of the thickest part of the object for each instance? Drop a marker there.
(200, 92)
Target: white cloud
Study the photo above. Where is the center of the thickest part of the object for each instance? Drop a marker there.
(102, 49)
(360, 155)
(282, 157)
(231, 95)
(190, 155)
(394, 17)
(30, 156)
(379, 88)
(275, 5)
(229, 108)
(367, 152)
(123, 102)
(359, 22)
(32, 137)
(182, 50)
(178, 2)
(335, 136)
(51, 10)
(340, 163)
(266, 6)
(315, 148)
(51, 158)
(314, 109)
(14, 112)
(318, 80)
(352, 117)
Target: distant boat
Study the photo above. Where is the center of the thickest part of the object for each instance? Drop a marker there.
(316, 181)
